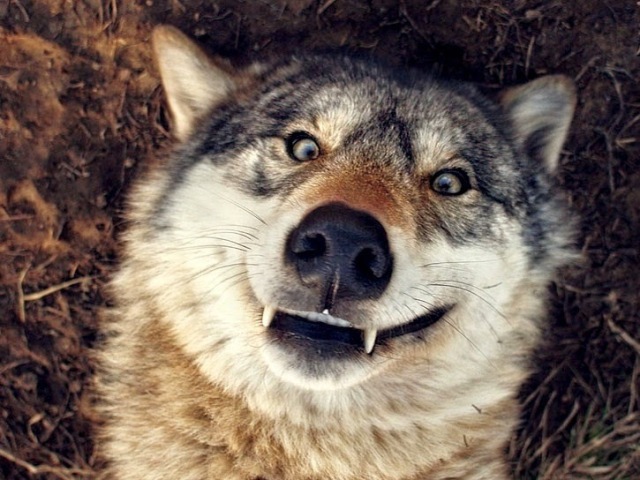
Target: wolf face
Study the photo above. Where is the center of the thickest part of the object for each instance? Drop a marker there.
(349, 249)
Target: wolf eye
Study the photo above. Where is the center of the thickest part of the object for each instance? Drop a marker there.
(301, 147)
(450, 182)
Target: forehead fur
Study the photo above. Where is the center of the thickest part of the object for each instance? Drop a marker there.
(331, 113)
(335, 96)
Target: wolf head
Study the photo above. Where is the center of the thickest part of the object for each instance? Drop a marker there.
(333, 229)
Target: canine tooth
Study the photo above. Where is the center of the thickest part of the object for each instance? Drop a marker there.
(326, 311)
(370, 335)
(267, 315)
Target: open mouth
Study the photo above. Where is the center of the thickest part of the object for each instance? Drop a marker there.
(323, 327)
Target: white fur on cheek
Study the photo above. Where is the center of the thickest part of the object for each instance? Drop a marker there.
(212, 239)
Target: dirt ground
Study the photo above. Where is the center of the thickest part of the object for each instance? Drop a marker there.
(81, 114)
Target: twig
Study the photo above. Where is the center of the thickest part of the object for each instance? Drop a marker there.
(12, 365)
(409, 18)
(590, 64)
(16, 218)
(23, 10)
(610, 72)
(325, 5)
(63, 473)
(609, 145)
(55, 288)
(628, 339)
(21, 311)
(527, 62)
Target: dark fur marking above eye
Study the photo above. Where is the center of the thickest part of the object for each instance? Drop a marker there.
(487, 178)
(404, 135)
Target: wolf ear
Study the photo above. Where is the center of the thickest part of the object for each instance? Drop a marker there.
(192, 81)
(541, 113)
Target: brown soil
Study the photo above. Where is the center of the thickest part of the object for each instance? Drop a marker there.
(81, 113)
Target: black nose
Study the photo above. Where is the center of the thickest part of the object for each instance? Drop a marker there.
(341, 252)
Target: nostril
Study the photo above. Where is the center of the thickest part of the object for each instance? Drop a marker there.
(372, 263)
(309, 246)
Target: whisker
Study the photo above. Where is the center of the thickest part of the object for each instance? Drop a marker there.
(466, 284)
(227, 279)
(491, 327)
(224, 229)
(235, 226)
(211, 269)
(210, 246)
(192, 241)
(247, 245)
(244, 276)
(243, 208)
(448, 267)
(475, 347)
(456, 328)
(214, 268)
(397, 307)
(248, 236)
(252, 254)
(231, 229)
(459, 262)
(469, 289)
(237, 246)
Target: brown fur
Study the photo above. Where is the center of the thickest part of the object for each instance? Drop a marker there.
(374, 191)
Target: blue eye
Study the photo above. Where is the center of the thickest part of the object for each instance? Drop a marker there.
(302, 147)
(450, 182)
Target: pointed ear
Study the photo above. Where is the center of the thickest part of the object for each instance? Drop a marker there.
(541, 113)
(193, 82)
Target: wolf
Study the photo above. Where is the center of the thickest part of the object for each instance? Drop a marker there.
(340, 272)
